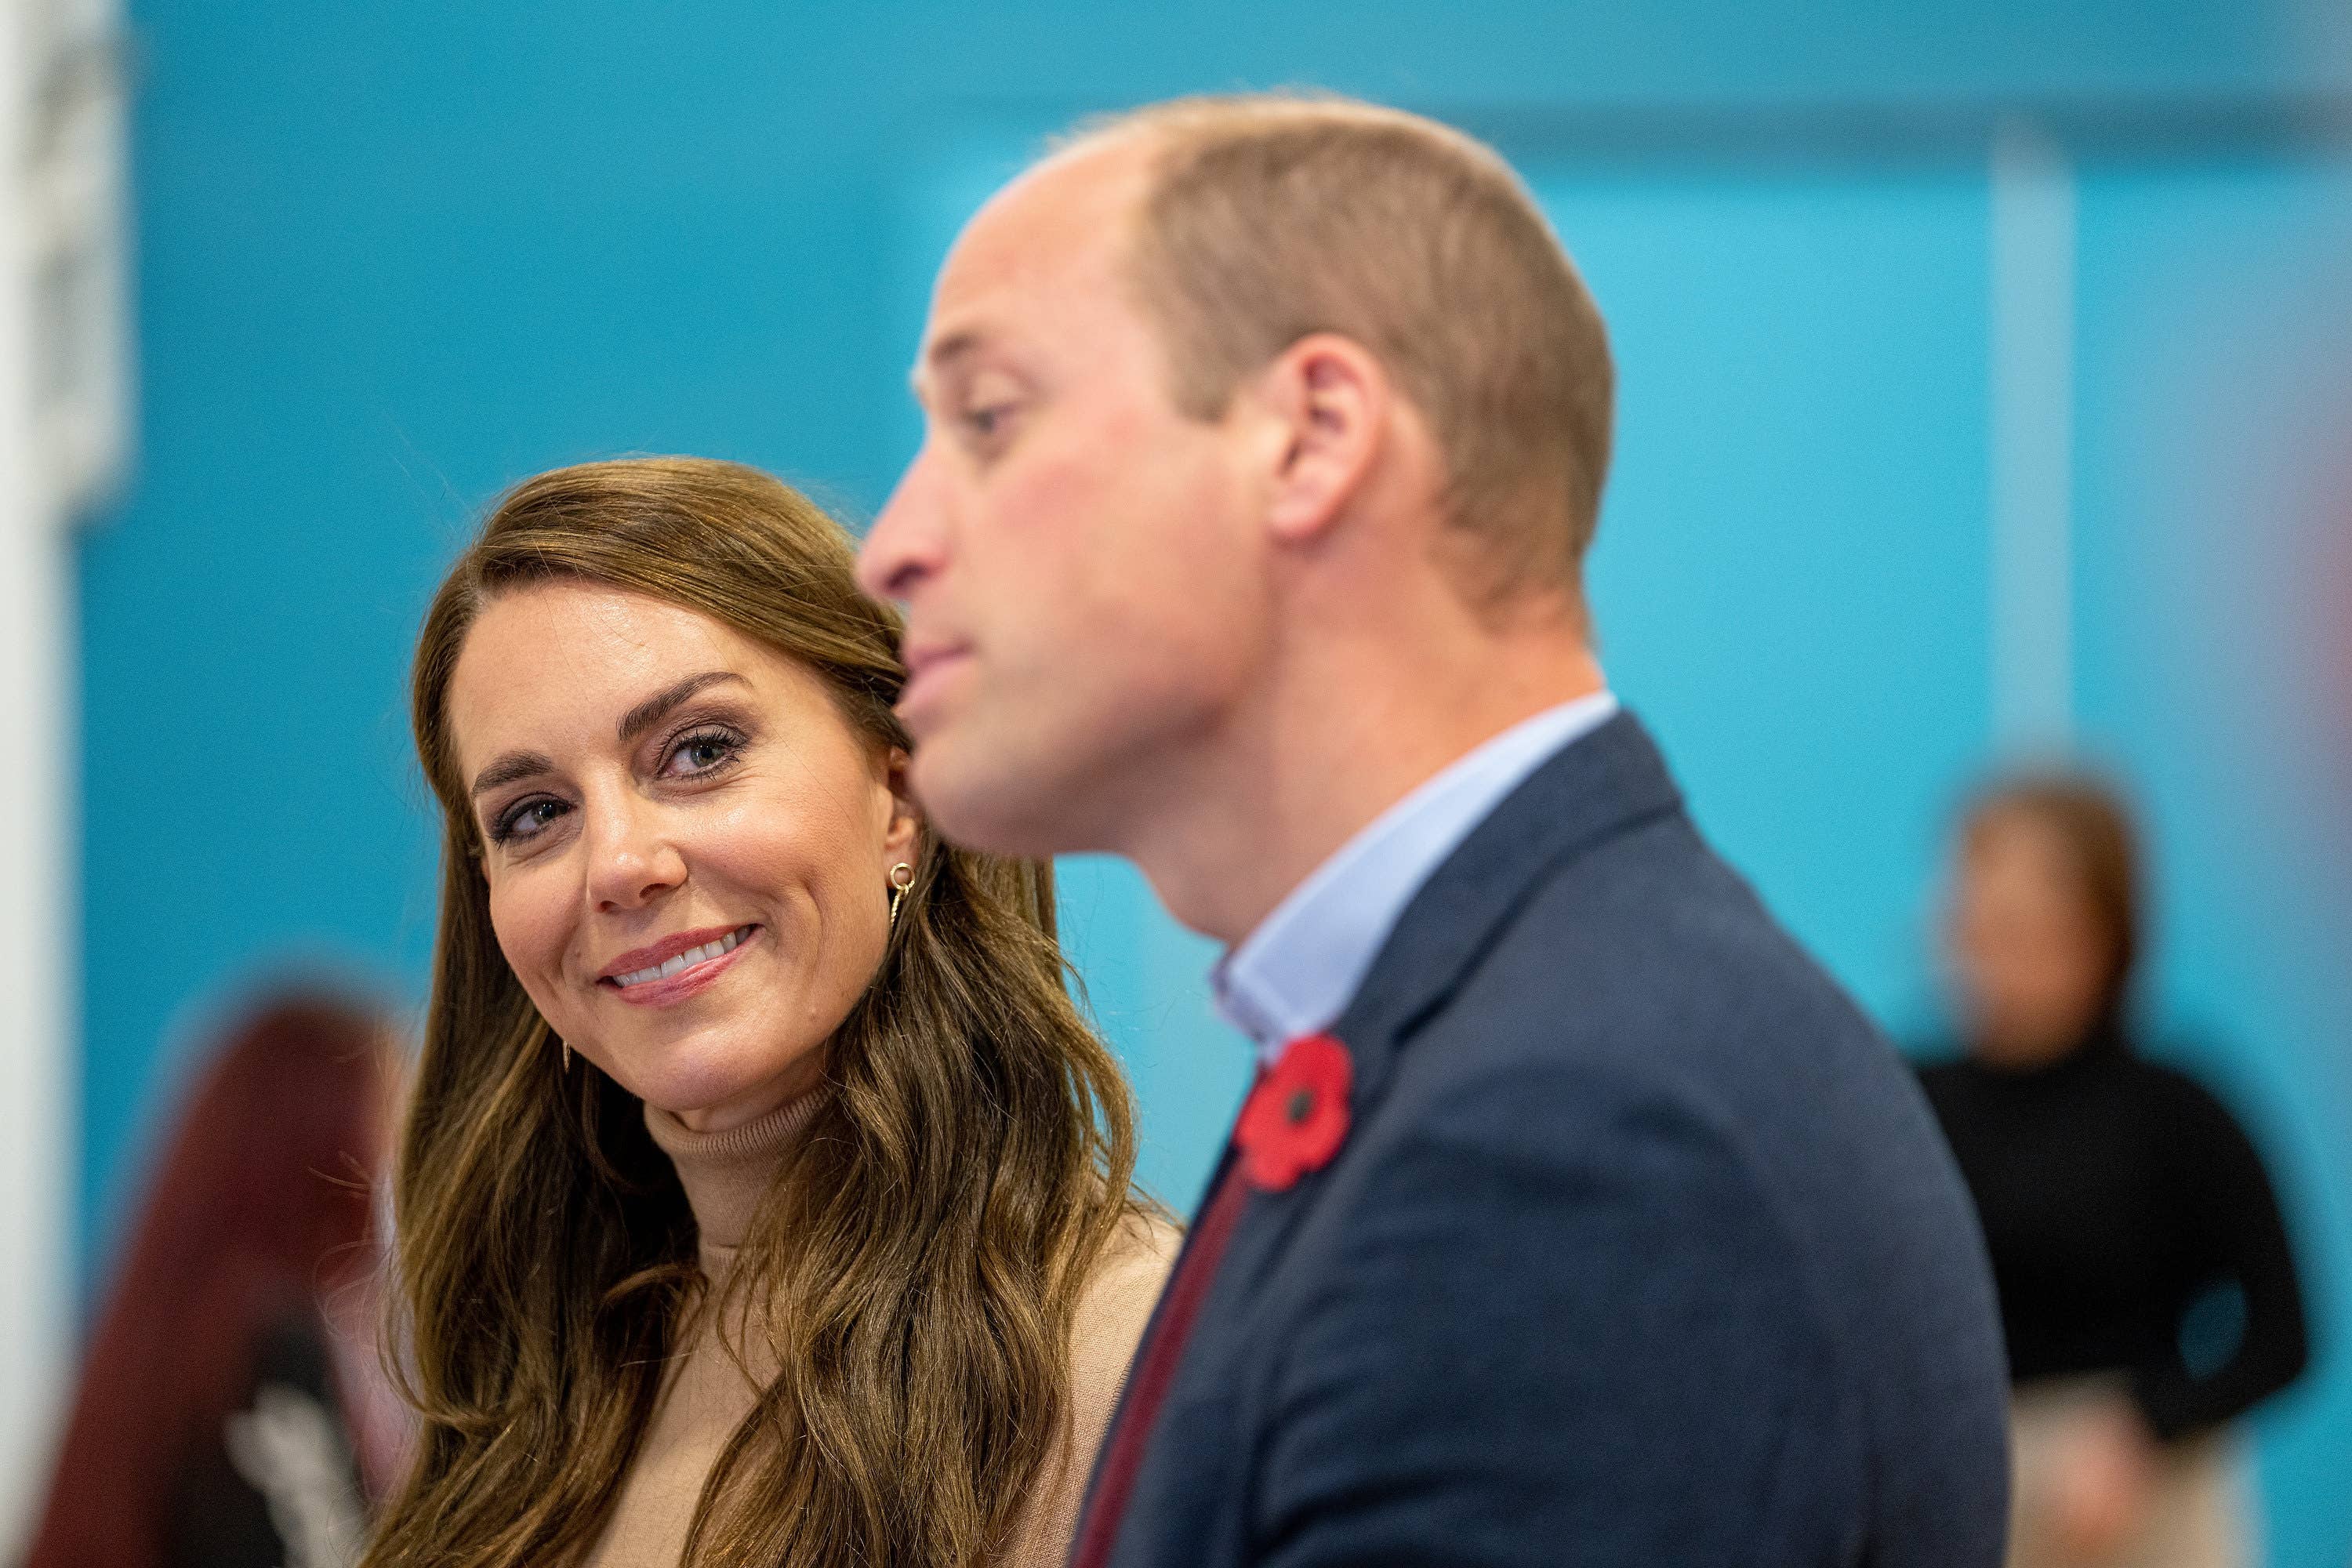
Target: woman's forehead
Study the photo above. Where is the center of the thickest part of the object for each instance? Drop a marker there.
(568, 660)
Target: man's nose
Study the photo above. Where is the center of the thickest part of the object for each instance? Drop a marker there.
(904, 546)
(631, 860)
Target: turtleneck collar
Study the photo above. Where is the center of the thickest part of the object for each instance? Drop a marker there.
(726, 1174)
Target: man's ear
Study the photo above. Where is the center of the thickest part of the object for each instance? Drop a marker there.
(1329, 401)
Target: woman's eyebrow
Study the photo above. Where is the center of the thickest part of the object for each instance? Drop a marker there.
(649, 712)
(517, 765)
(509, 768)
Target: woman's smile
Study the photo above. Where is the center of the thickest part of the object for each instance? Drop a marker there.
(677, 966)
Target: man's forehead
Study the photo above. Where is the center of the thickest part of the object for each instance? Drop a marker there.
(1057, 227)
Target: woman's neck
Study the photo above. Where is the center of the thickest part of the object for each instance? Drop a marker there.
(726, 1174)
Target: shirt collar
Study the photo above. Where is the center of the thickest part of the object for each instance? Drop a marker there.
(1297, 972)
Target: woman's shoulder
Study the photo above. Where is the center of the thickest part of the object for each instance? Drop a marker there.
(2184, 1101)
(1138, 1256)
(1113, 1307)
(1117, 1300)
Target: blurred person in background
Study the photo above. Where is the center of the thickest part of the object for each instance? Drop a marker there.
(2147, 1286)
(766, 1198)
(233, 1410)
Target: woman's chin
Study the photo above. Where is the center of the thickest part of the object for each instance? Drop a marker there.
(719, 1092)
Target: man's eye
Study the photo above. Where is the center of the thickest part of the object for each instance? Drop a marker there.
(989, 421)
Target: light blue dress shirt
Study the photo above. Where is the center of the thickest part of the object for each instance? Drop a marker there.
(1297, 971)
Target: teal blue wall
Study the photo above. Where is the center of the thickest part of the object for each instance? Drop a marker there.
(394, 258)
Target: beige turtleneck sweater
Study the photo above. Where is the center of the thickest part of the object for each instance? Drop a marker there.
(706, 1396)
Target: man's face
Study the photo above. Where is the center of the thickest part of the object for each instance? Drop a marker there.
(1084, 586)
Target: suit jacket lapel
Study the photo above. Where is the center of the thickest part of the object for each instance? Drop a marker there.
(1602, 785)
(1593, 788)
(1599, 786)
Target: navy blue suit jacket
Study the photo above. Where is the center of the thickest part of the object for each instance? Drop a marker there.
(1642, 1248)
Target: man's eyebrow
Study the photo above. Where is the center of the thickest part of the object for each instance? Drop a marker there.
(650, 712)
(509, 768)
(943, 355)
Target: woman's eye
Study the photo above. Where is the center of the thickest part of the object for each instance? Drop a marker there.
(989, 421)
(526, 819)
(704, 752)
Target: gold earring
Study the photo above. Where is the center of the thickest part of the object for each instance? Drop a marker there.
(902, 877)
(567, 1057)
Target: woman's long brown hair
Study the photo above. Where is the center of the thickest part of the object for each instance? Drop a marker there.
(918, 1262)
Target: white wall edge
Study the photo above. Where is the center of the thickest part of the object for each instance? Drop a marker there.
(2032, 231)
(64, 402)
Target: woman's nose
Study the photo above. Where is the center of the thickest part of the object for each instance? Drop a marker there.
(631, 860)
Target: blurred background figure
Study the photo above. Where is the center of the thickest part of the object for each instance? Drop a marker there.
(2147, 1288)
(233, 1410)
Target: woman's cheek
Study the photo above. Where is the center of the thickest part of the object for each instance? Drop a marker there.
(522, 938)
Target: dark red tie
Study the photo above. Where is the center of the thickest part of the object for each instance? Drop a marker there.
(1148, 1384)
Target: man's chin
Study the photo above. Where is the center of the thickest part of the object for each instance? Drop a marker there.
(989, 803)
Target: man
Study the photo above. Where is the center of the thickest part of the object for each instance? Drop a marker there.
(1577, 1217)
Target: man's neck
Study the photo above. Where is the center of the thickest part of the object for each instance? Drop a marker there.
(1328, 743)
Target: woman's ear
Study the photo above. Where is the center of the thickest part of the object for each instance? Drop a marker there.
(902, 835)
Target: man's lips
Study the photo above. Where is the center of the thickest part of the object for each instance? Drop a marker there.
(927, 665)
(925, 654)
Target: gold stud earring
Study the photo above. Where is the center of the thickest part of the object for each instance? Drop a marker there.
(902, 877)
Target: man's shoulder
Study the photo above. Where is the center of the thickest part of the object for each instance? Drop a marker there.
(1642, 1005)
(1648, 950)
(1626, 1166)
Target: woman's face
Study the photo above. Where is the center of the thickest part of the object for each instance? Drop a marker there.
(2029, 962)
(688, 849)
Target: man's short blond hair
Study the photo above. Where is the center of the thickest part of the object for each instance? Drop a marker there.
(1270, 217)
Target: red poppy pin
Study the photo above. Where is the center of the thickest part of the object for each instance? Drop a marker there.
(1297, 1117)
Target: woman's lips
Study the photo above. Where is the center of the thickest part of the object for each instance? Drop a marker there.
(682, 974)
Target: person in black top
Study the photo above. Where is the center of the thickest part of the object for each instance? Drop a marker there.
(2146, 1287)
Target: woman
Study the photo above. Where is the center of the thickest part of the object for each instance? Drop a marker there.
(2146, 1283)
(232, 1410)
(764, 1199)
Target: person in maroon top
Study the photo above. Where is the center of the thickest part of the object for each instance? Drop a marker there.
(2147, 1290)
(233, 1411)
